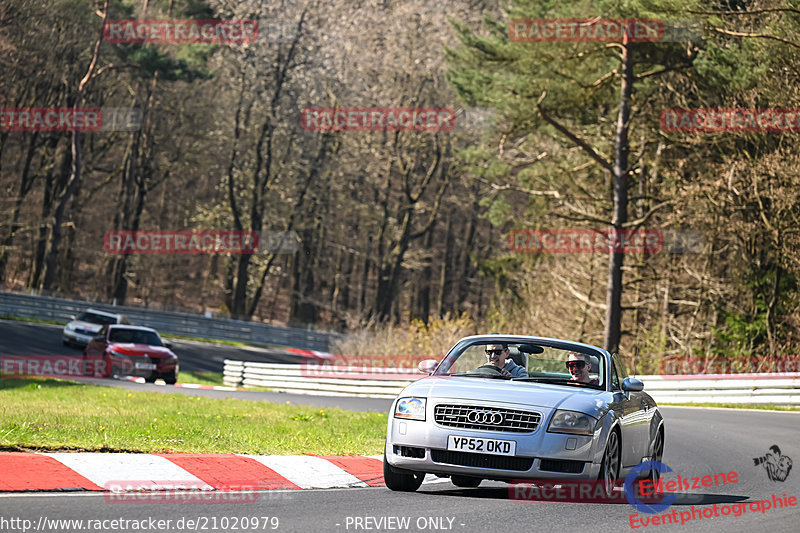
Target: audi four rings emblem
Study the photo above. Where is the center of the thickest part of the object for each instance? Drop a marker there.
(478, 416)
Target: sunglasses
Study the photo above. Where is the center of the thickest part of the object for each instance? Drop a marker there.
(496, 352)
(576, 364)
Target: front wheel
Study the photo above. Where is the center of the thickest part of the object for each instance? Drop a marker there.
(609, 469)
(402, 481)
(171, 378)
(658, 453)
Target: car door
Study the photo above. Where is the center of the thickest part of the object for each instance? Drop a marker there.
(636, 425)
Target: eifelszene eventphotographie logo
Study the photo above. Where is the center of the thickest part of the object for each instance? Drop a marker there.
(777, 466)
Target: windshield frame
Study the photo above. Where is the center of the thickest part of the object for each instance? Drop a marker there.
(106, 320)
(461, 346)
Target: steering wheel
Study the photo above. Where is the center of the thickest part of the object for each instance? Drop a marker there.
(487, 370)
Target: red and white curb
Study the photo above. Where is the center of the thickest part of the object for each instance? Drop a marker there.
(186, 385)
(207, 472)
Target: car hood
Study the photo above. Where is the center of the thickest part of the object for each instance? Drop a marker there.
(127, 348)
(91, 326)
(523, 394)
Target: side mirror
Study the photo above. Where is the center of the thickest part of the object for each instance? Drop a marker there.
(428, 365)
(168, 345)
(632, 385)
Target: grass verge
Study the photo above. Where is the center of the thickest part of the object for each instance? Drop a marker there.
(33, 320)
(201, 378)
(763, 407)
(51, 414)
(212, 378)
(235, 344)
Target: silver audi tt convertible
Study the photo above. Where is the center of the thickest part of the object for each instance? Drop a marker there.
(512, 407)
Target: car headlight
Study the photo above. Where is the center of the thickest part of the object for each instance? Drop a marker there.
(572, 422)
(70, 327)
(410, 408)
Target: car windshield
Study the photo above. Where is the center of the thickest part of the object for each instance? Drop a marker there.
(94, 318)
(528, 362)
(135, 336)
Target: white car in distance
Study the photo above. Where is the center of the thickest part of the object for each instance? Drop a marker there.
(82, 328)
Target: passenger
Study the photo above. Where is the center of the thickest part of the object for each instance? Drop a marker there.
(578, 366)
(498, 355)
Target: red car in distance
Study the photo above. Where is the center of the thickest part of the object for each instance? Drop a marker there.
(132, 351)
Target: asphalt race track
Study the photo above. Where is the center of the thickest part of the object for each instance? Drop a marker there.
(699, 442)
(20, 338)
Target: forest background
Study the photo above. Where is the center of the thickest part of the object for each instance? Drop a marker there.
(404, 236)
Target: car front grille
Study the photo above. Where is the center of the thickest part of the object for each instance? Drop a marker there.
(85, 332)
(486, 418)
(482, 460)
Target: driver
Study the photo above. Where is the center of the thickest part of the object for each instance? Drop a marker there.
(578, 365)
(498, 355)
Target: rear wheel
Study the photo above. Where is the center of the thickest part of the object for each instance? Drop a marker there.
(609, 468)
(401, 480)
(465, 481)
(151, 378)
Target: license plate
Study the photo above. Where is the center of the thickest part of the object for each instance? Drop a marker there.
(145, 366)
(481, 445)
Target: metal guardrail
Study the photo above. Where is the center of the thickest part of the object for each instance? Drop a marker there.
(778, 388)
(47, 307)
(770, 388)
(303, 379)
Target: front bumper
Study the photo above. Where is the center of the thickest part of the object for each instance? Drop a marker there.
(133, 366)
(422, 446)
(76, 338)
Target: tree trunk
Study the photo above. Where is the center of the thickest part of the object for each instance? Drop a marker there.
(423, 306)
(75, 176)
(444, 280)
(25, 183)
(51, 185)
(620, 178)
